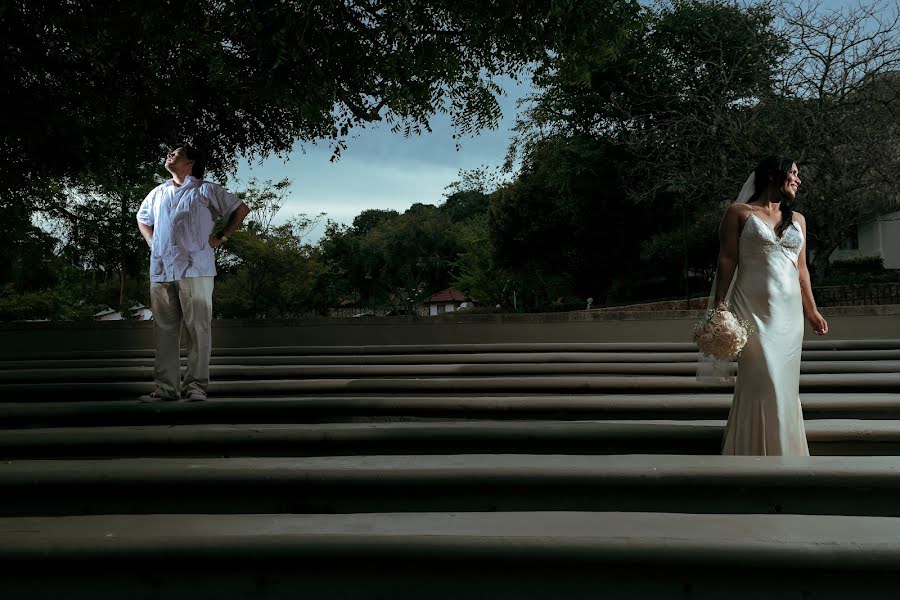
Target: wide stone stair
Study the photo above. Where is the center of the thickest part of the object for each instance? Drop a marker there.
(549, 470)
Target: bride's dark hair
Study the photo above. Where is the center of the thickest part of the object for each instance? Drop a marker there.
(777, 168)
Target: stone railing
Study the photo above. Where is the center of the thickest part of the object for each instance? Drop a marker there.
(873, 294)
(697, 303)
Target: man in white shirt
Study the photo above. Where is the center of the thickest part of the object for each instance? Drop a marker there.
(177, 220)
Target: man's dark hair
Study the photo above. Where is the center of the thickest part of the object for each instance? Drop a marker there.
(199, 168)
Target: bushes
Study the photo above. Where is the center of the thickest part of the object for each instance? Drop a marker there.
(44, 304)
(859, 264)
(53, 304)
(858, 271)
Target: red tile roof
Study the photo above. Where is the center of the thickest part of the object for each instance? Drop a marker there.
(448, 295)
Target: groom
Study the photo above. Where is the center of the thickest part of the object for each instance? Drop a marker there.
(177, 220)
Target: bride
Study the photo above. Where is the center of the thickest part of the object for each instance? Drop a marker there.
(762, 277)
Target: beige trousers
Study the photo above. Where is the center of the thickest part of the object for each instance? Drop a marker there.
(185, 302)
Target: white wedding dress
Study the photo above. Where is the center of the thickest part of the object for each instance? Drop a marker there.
(766, 417)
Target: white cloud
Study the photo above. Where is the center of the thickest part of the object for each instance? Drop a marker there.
(345, 188)
(380, 169)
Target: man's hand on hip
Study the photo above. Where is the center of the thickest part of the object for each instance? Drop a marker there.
(214, 242)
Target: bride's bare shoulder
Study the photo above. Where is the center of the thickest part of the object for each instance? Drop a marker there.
(738, 210)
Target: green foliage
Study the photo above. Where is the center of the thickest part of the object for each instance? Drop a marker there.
(849, 278)
(475, 268)
(621, 166)
(79, 238)
(836, 110)
(462, 206)
(647, 121)
(392, 259)
(264, 199)
(701, 91)
(412, 252)
(30, 262)
(567, 214)
(27, 257)
(677, 96)
(92, 88)
(538, 290)
(268, 271)
(74, 298)
(94, 93)
(43, 304)
(371, 218)
(661, 273)
(268, 274)
(859, 264)
(98, 229)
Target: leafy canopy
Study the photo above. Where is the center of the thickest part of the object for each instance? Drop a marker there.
(94, 87)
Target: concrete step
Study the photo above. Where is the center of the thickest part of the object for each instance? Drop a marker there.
(358, 484)
(438, 349)
(435, 359)
(358, 408)
(649, 384)
(452, 555)
(826, 437)
(340, 439)
(267, 372)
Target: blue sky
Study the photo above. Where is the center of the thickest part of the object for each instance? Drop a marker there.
(381, 169)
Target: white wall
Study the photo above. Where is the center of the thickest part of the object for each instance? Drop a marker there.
(882, 238)
(433, 309)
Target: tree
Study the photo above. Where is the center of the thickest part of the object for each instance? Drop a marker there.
(397, 260)
(27, 252)
(269, 275)
(268, 271)
(345, 265)
(676, 105)
(414, 250)
(264, 199)
(91, 88)
(371, 218)
(706, 88)
(33, 263)
(837, 112)
(391, 259)
(80, 252)
(464, 205)
(96, 238)
(566, 220)
(676, 98)
(475, 268)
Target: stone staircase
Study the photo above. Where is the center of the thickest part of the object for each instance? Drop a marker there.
(548, 470)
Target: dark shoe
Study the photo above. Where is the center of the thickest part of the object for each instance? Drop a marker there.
(156, 397)
(195, 396)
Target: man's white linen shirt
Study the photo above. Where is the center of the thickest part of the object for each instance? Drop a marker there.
(182, 218)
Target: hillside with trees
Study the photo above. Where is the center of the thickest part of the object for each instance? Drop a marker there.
(645, 121)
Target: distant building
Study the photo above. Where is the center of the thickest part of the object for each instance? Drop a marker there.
(448, 300)
(879, 237)
(138, 311)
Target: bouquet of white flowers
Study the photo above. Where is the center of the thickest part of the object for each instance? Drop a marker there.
(721, 335)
